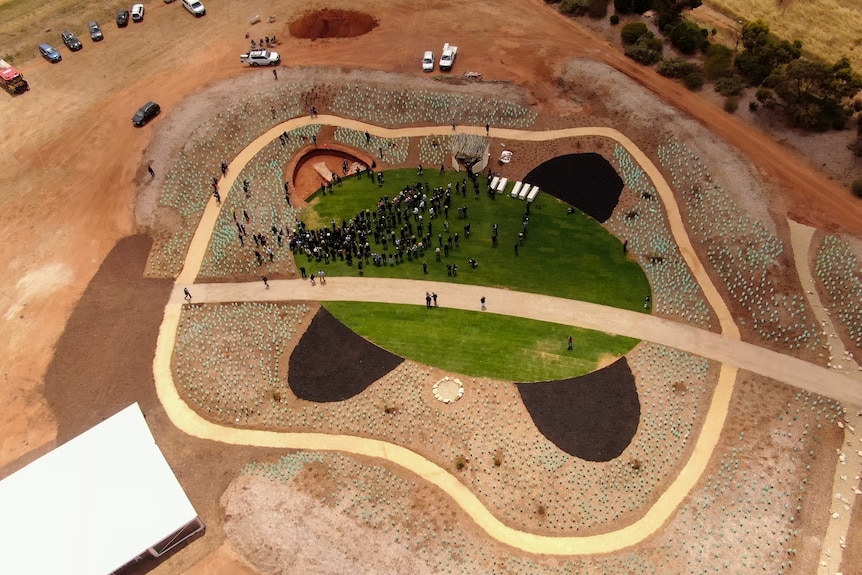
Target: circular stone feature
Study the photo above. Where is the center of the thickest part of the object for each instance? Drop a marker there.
(448, 390)
(329, 23)
(587, 181)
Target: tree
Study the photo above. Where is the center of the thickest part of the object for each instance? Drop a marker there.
(644, 50)
(813, 95)
(718, 61)
(728, 86)
(694, 81)
(677, 67)
(632, 6)
(574, 7)
(631, 32)
(856, 188)
(598, 8)
(687, 37)
(764, 52)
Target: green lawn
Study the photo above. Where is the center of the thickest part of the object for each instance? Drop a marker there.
(481, 344)
(569, 256)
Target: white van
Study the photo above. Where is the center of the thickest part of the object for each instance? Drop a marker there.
(195, 7)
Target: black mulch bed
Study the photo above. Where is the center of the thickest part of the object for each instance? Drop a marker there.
(593, 417)
(587, 181)
(352, 362)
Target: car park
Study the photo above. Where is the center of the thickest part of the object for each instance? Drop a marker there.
(71, 41)
(195, 7)
(49, 53)
(138, 13)
(95, 31)
(146, 113)
(122, 18)
(261, 58)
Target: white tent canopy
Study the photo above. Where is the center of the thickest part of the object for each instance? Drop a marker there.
(94, 504)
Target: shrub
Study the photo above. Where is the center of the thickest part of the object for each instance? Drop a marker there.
(718, 60)
(856, 188)
(731, 103)
(598, 8)
(654, 43)
(642, 51)
(753, 105)
(631, 32)
(677, 67)
(636, 464)
(630, 6)
(574, 7)
(614, 19)
(687, 37)
(729, 86)
(460, 462)
(694, 81)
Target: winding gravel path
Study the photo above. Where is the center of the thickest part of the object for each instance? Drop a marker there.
(726, 347)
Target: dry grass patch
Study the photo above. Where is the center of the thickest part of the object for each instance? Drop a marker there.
(829, 29)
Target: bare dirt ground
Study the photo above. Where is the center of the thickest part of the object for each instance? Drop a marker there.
(75, 165)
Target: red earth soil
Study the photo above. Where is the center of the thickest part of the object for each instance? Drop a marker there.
(330, 23)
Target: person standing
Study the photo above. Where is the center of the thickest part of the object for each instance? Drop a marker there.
(302, 271)
(428, 300)
(434, 297)
(187, 294)
(571, 343)
(483, 303)
(275, 73)
(151, 172)
(265, 282)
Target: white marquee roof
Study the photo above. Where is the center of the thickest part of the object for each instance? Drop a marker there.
(93, 504)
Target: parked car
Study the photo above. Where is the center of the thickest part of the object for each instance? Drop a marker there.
(122, 18)
(95, 31)
(49, 53)
(260, 58)
(428, 61)
(195, 7)
(146, 113)
(71, 41)
(138, 13)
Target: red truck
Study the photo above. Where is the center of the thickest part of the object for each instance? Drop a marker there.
(11, 79)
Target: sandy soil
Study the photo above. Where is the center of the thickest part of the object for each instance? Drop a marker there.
(75, 170)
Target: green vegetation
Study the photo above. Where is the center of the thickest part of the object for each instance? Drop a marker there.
(688, 37)
(570, 256)
(647, 50)
(631, 32)
(480, 344)
(717, 61)
(677, 67)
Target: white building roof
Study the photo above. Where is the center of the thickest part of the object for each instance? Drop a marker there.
(93, 504)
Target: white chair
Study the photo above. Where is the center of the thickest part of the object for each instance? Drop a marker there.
(517, 189)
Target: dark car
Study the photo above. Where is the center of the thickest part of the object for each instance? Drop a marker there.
(122, 18)
(147, 112)
(95, 31)
(49, 53)
(71, 41)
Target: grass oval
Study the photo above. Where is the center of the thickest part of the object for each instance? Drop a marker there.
(481, 344)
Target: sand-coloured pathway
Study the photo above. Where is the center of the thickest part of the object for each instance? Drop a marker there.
(573, 313)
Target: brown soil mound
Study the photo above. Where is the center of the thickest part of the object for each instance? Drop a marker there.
(329, 23)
